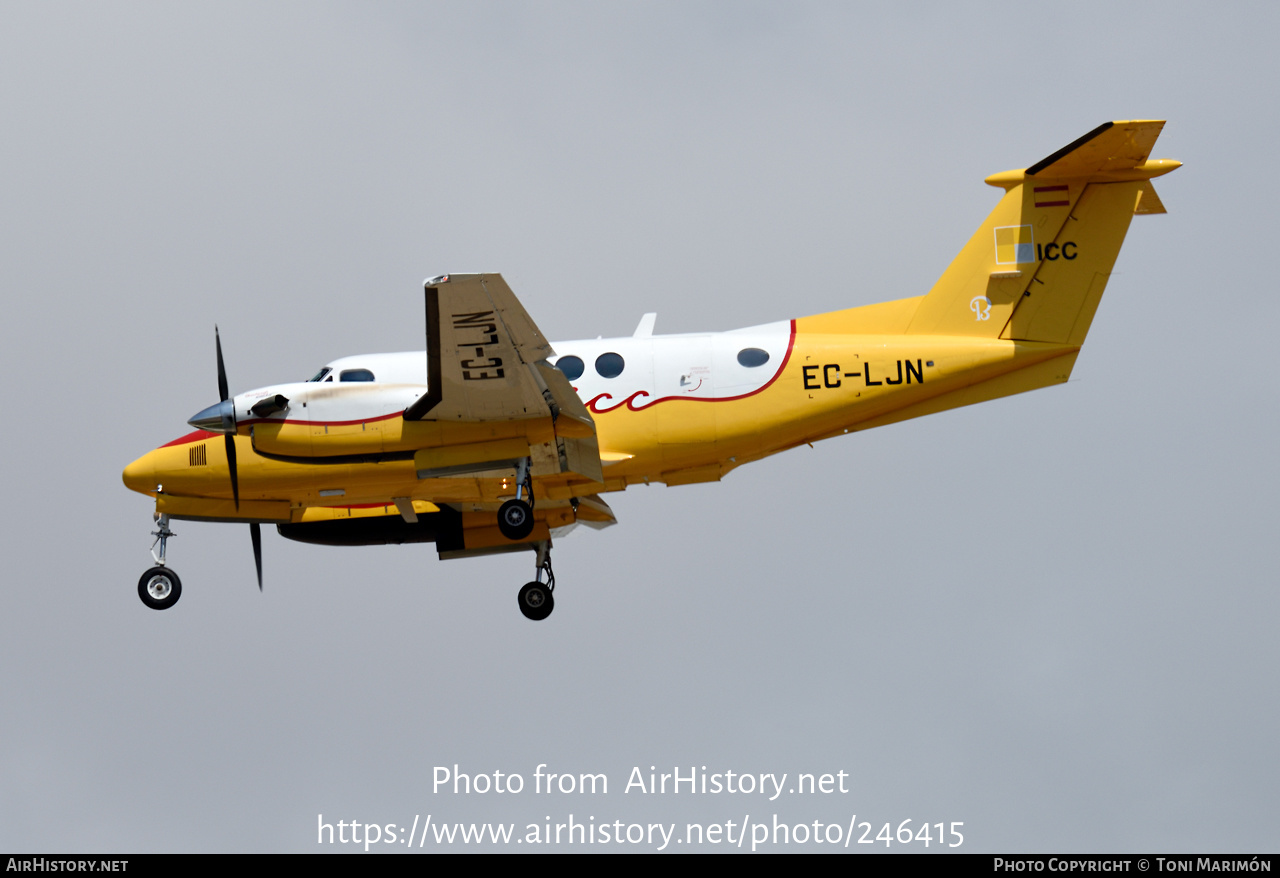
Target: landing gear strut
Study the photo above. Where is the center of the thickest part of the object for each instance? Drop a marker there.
(159, 588)
(536, 601)
(515, 517)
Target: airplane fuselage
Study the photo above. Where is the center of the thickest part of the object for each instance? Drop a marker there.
(674, 409)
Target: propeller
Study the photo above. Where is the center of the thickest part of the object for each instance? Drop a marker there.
(255, 531)
(221, 418)
(230, 437)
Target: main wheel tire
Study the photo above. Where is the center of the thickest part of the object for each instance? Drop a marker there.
(159, 588)
(536, 601)
(515, 519)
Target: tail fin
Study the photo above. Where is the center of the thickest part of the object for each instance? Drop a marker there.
(1036, 268)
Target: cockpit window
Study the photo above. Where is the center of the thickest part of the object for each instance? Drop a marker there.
(356, 375)
(319, 376)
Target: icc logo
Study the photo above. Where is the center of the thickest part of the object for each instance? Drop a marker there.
(981, 307)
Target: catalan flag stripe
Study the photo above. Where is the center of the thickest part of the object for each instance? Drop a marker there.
(1051, 200)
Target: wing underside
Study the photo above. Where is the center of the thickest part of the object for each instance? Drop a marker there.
(486, 362)
(482, 348)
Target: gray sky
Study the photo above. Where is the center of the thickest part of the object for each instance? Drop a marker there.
(1050, 617)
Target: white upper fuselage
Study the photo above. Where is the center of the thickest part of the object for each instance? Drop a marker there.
(636, 371)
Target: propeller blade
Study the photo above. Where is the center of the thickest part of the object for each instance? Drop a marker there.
(230, 437)
(222, 372)
(255, 531)
(231, 465)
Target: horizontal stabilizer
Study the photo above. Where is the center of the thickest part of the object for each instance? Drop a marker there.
(1112, 146)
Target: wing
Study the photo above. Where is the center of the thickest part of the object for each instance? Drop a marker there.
(482, 353)
(487, 361)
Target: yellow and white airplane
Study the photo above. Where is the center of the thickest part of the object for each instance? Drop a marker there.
(493, 441)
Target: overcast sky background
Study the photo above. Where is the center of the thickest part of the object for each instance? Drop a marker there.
(1051, 617)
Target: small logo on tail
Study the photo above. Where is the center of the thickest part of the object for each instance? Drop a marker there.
(1015, 244)
(980, 306)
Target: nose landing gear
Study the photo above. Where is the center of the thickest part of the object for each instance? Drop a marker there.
(159, 588)
(535, 598)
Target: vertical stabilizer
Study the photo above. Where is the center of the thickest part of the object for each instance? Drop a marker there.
(1037, 266)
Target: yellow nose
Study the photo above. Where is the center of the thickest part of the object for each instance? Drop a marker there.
(140, 475)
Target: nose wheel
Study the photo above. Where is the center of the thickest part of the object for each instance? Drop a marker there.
(159, 588)
(535, 598)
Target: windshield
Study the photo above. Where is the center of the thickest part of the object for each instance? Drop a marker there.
(319, 376)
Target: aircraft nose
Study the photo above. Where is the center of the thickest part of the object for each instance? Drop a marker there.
(140, 475)
(219, 418)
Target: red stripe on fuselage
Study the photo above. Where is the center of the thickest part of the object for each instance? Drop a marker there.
(299, 423)
(197, 436)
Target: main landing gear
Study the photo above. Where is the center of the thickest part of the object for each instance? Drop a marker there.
(536, 601)
(159, 588)
(515, 520)
(515, 517)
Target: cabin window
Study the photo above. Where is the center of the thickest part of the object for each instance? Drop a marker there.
(571, 366)
(356, 375)
(752, 357)
(319, 376)
(610, 365)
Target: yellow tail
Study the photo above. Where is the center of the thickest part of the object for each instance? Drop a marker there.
(1036, 268)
